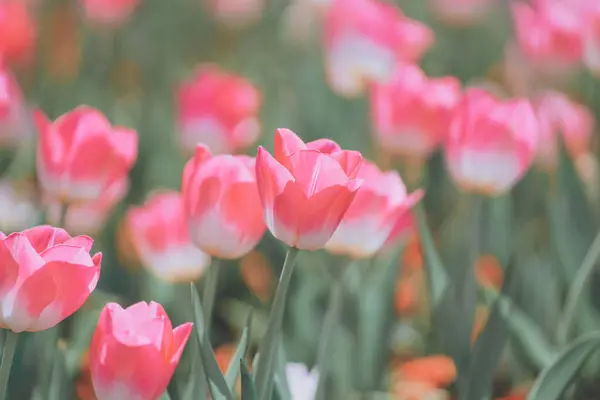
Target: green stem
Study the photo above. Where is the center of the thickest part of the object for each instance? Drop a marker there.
(209, 293)
(332, 316)
(8, 352)
(577, 286)
(269, 345)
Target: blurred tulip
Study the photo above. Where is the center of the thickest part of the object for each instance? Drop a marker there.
(14, 126)
(64, 42)
(591, 55)
(221, 204)
(46, 277)
(411, 112)
(489, 272)
(236, 13)
(404, 228)
(219, 110)
(437, 370)
(134, 351)
(302, 20)
(223, 355)
(108, 13)
(18, 207)
(80, 155)
(17, 31)
(418, 391)
(380, 202)
(491, 143)
(482, 314)
(562, 118)
(409, 289)
(160, 235)
(302, 382)
(306, 189)
(257, 274)
(88, 217)
(520, 393)
(462, 12)
(550, 33)
(364, 39)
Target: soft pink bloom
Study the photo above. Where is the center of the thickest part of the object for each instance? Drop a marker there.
(80, 155)
(219, 110)
(411, 112)
(17, 31)
(160, 235)
(13, 111)
(403, 229)
(88, 217)
(46, 276)
(550, 34)
(462, 12)
(306, 189)
(561, 117)
(491, 142)
(108, 12)
(236, 13)
(134, 352)
(221, 203)
(364, 39)
(381, 201)
(591, 55)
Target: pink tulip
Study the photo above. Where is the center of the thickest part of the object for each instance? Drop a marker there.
(411, 112)
(380, 202)
(134, 352)
(306, 189)
(364, 39)
(462, 12)
(80, 155)
(160, 235)
(13, 111)
(221, 204)
(219, 110)
(17, 32)
(108, 12)
(491, 143)
(46, 276)
(550, 34)
(88, 217)
(591, 56)
(560, 116)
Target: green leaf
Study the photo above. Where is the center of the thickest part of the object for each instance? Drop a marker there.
(487, 351)
(436, 273)
(233, 370)
(332, 318)
(165, 396)
(523, 329)
(209, 361)
(554, 380)
(197, 385)
(209, 292)
(248, 389)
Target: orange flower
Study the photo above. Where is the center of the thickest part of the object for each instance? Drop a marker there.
(257, 274)
(412, 258)
(437, 371)
(223, 354)
(488, 271)
(481, 317)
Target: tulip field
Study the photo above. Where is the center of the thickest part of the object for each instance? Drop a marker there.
(299, 199)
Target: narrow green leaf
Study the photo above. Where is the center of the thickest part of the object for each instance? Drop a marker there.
(554, 380)
(436, 273)
(233, 370)
(197, 386)
(248, 389)
(270, 343)
(330, 322)
(282, 389)
(524, 329)
(209, 292)
(209, 361)
(165, 396)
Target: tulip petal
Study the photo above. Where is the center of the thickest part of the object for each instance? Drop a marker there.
(286, 143)
(350, 161)
(45, 236)
(314, 171)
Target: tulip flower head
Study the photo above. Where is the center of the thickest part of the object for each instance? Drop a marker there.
(306, 188)
(380, 203)
(46, 276)
(159, 232)
(13, 111)
(561, 117)
(80, 154)
(134, 351)
(364, 39)
(17, 31)
(221, 204)
(219, 110)
(550, 33)
(491, 142)
(411, 112)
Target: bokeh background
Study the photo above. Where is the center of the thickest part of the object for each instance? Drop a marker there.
(131, 71)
